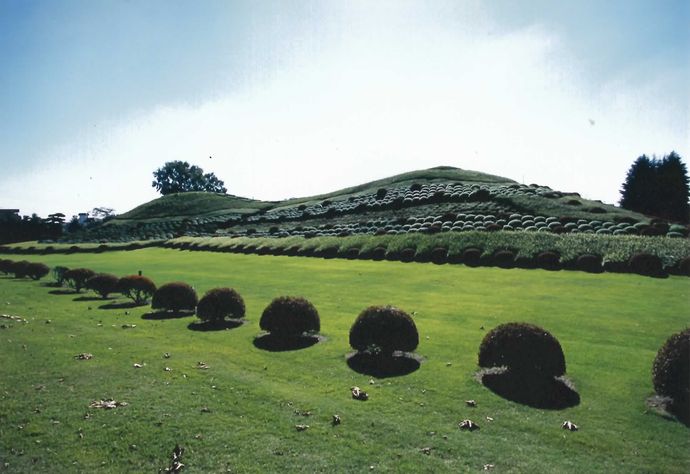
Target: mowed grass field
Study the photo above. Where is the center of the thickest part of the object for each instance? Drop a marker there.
(239, 415)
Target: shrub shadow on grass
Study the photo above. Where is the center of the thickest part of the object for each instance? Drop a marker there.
(551, 393)
(272, 343)
(125, 305)
(215, 325)
(51, 284)
(399, 364)
(91, 298)
(63, 292)
(670, 410)
(159, 315)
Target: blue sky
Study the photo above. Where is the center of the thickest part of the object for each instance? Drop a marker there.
(293, 98)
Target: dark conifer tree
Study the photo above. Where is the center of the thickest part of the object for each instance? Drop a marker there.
(673, 190)
(658, 187)
(637, 191)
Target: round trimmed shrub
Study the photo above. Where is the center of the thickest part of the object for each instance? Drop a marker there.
(504, 258)
(378, 253)
(175, 296)
(589, 263)
(136, 287)
(439, 255)
(683, 267)
(671, 369)
(382, 330)
(76, 277)
(472, 256)
(20, 269)
(646, 264)
(59, 274)
(103, 284)
(523, 348)
(290, 316)
(36, 270)
(6, 266)
(220, 303)
(407, 254)
(352, 253)
(548, 260)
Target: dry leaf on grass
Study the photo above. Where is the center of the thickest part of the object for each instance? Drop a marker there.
(108, 404)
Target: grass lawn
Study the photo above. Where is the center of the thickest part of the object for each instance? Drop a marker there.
(239, 415)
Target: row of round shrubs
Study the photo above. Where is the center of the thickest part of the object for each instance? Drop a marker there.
(379, 331)
(23, 269)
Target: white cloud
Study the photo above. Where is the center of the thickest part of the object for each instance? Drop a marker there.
(382, 95)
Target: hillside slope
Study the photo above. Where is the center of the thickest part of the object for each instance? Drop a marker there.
(429, 201)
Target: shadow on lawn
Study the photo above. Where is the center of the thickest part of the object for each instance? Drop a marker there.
(552, 393)
(63, 292)
(158, 315)
(91, 298)
(125, 305)
(215, 325)
(670, 409)
(272, 343)
(400, 363)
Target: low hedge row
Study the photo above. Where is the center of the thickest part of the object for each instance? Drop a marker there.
(653, 256)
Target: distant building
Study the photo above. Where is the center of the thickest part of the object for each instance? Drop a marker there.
(83, 218)
(9, 215)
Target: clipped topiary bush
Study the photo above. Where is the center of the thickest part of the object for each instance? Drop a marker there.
(472, 256)
(289, 317)
(522, 348)
(382, 330)
(548, 260)
(407, 254)
(504, 258)
(646, 264)
(220, 303)
(589, 263)
(671, 372)
(378, 253)
(36, 270)
(20, 269)
(136, 287)
(439, 255)
(6, 266)
(175, 296)
(103, 284)
(76, 277)
(59, 274)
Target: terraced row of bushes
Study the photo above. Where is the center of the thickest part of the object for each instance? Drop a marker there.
(465, 222)
(30, 248)
(518, 204)
(655, 256)
(398, 197)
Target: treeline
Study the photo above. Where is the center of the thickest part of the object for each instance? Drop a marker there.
(25, 228)
(658, 187)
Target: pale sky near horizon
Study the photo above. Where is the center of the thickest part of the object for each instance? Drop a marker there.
(294, 98)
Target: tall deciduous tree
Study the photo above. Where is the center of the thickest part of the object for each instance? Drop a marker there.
(181, 177)
(657, 187)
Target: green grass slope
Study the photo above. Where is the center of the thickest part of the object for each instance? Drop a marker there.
(192, 204)
(240, 414)
(196, 204)
(446, 196)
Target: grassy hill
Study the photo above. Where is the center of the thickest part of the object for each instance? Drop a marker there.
(192, 204)
(448, 198)
(241, 413)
